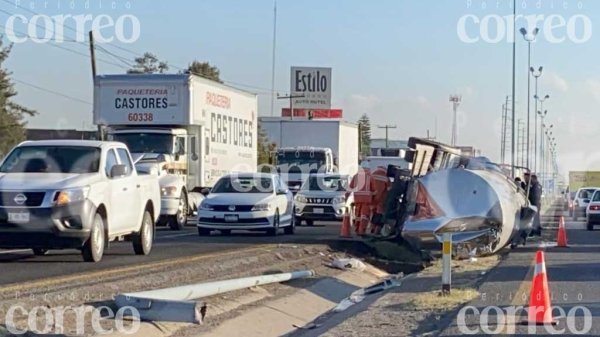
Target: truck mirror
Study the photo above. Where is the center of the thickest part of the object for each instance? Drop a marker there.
(118, 171)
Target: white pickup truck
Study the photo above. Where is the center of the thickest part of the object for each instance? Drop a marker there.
(61, 194)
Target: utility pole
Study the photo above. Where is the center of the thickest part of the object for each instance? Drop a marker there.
(273, 58)
(291, 98)
(386, 127)
(93, 60)
(455, 99)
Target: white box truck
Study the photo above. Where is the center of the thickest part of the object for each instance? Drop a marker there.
(310, 146)
(188, 130)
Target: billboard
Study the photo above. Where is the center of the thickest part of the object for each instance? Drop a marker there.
(316, 113)
(314, 84)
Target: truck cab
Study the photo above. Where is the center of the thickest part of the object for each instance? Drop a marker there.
(295, 164)
(174, 156)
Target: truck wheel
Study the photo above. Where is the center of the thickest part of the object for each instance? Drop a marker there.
(291, 229)
(590, 226)
(93, 249)
(178, 221)
(310, 223)
(40, 251)
(275, 230)
(142, 241)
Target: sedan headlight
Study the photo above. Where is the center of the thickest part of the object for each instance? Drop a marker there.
(205, 206)
(71, 195)
(301, 198)
(339, 200)
(168, 191)
(261, 207)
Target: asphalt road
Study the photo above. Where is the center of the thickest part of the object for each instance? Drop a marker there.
(18, 266)
(574, 281)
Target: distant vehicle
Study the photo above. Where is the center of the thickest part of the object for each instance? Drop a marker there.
(593, 211)
(581, 201)
(311, 146)
(569, 197)
(186, 129)
(247, 201)
(322, 197)
(79, 194)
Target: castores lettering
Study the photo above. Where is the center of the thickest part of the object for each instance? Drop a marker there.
(231, 130)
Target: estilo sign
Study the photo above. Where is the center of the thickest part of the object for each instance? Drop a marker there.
(313, 84)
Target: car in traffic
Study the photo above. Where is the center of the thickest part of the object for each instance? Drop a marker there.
(61, 194)
(321, 197)
(581, 201)
(593, 211)
(247, 201)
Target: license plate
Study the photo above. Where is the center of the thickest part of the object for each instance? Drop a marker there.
(231, 218)
(319, 210)
(18, 217)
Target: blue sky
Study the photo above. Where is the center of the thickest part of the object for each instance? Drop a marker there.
(396, 60)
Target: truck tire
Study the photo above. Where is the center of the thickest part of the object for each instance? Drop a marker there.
(203, 232)
(178, 221)
(142, 241)
(93, 249)
(310, 223)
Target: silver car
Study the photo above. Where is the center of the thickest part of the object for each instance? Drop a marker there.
(322, 197)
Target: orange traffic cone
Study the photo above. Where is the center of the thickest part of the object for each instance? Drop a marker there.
(561, 240)
(540, 309)
(346, 232)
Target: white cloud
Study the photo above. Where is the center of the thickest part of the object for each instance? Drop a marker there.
(554, 81)
(593, 86)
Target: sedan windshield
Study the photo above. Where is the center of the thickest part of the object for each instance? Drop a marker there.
(52, 159)
(334, 183)
(243, 185)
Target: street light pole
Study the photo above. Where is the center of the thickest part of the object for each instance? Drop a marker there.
(529, 39)
(514, 98)
(541, 101)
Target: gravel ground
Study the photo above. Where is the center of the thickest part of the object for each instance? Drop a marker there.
(99, 292)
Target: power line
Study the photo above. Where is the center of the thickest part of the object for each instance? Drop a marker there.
(52, 92)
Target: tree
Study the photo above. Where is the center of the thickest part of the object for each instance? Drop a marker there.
(12, 124)
(148, 64)
(265, 147)
(204, 69)
(364, 125)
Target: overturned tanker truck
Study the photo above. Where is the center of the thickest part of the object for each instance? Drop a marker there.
(443, 191)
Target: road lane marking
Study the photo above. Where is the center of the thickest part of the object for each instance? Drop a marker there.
(107, 273)
(174, 236)
(524, 289)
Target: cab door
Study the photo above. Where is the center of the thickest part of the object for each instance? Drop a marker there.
(127, 201)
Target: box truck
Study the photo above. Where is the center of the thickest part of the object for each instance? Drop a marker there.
(311, 146)
(186, 129)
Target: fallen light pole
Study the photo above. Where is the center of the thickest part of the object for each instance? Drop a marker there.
(177, 304)
(446, 263)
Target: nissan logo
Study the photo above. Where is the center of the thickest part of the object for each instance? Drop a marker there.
(232, 208)
(20, 199)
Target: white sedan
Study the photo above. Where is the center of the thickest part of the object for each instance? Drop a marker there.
(247, 201)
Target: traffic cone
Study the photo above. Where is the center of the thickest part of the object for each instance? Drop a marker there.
(346, 231)
(561, 240)
(362, 226)
(540, 309)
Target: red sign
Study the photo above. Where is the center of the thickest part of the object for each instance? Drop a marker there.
(317, 113)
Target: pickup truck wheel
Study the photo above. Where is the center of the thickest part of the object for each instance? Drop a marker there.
(310, 223)
(142, 241)
(93, 249)
(178, 221)
(40, 251)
